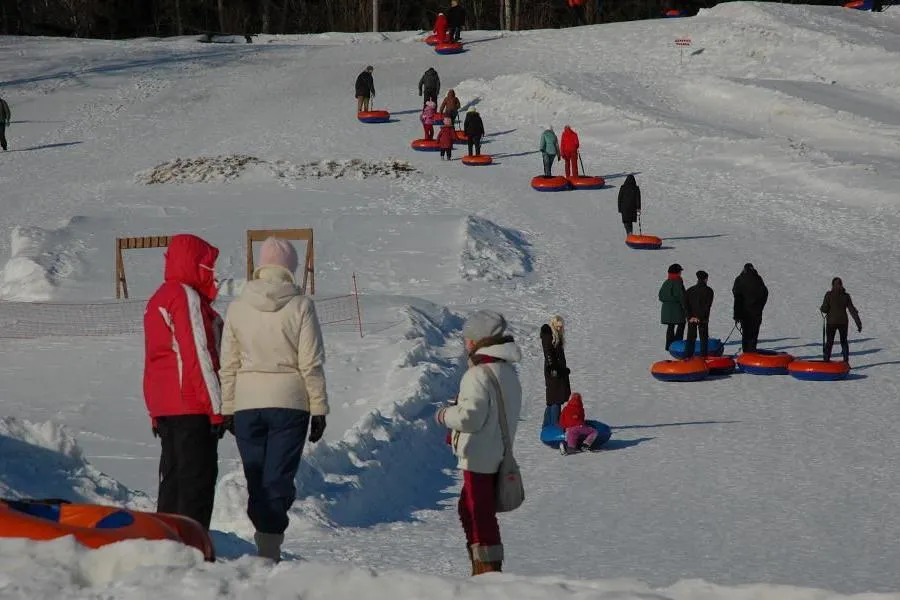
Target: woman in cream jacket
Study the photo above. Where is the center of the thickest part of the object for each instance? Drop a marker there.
(273, 384)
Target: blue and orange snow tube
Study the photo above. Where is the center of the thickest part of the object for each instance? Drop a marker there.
(586, 182)
(714, 347)
(432, 40)
(437, 119)
(94, 525)
(374, 116)
(859, 4)
(424, 145)
(478, 160)
(692, 369)
(673, 13)
(542, 183)
(818, 370)
(449, 48)
(552, 435)
(643, 242)
(765, 362)
(720, 365)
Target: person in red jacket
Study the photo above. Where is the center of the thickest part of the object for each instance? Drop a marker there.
(572, 421)
(181, 384)
(445, 138)
(441, 29)
(568, 150)
(577, 8)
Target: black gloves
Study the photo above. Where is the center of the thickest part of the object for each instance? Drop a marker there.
(219, 429)
(316, 428)
(155, 431)
(560, 373)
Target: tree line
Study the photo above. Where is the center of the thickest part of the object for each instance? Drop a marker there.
(118, 19)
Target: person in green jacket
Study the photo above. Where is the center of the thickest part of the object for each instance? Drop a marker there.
(549, 149)
(671, 294)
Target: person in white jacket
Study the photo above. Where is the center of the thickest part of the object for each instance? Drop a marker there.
(476, 436)
(273, 384)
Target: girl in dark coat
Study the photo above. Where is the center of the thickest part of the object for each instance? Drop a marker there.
(629, 203)
(671, 294)
(556, 374)
(834, 307)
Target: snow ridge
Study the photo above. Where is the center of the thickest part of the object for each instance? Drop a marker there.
(492, 252)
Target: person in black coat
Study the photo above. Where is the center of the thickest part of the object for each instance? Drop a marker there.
(473, 127)
(456, 18)
(556, 374)
(698, 301)
(5, 116)
(835, 306)
(750, 295)
(629, 203)
(365, 89)
(430, 84)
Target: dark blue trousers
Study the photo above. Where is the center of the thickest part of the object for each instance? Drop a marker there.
(270, 441)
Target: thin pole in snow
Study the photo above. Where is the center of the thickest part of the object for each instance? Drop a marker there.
(358, 310)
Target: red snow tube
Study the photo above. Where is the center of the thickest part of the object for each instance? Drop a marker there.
(586, 182)
(765, 362)
(426, 145)
(818, 370)
(449, 48)
(478, 160)
(374, 116)
(432, 40)
(461, 136)
(691, 369)
(720, 365)
(643, 242)
(437, 119)
(550, 184)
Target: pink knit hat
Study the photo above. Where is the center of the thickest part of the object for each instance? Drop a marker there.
(276, 251)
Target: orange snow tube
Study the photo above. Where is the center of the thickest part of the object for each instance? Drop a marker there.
(643, 242)
(478, 160)
(765, 362)
(449, 48)
(691, 369)
(432, 40)
(586, 182)
(550, 184)
(720, 365)
(426, 145)
(461, 136)
(94, 526)
(818, 370)
(374, 116)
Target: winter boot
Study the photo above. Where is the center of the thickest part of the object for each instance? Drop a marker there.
(471, 559)
(481, 567)
(486, 559)
(268, 545)
(563, 448)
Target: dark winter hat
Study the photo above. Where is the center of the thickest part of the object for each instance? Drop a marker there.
(675, 268)
(370, 68)
(749, 267)
(484, 324)
(702, 275)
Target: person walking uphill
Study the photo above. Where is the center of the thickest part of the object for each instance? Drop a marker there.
(456, 18)
(5, 117)
(556, 373)
(698, 301)
(568, 150)
(549, 148)
(835, 306)
(181, 385)
(430, 84)
(629, 203)
(450, 106)
(446, 137)
(473, 127)
(750, 296)
(671, 294)
(365, 89)
(477, 437)
(274, 384)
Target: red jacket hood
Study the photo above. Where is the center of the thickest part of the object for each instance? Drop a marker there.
(572, 413)
(186, 258)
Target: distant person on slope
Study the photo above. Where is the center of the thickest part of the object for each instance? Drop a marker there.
(456, 18)
(835, 306)
(671, 294)
(629, 203)
(440, 29)
(750, 296)
(426, 118)
(474, 130)
(273, 383)
(549, 148)
(445, 138)
(556, 373)
(577, 8)
(477, 439)
(5, 116)
(579, 435)
(365, 89)
(430, 84)
(181, 383)
(568, 149)
(450, 106)
(698, 301)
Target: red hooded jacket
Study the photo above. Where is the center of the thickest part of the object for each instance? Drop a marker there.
(182, 332)
(572, 413)
(445, 137)
(440, 28)
(568, 143)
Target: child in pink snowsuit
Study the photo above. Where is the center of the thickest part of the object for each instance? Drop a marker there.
(425, 117)
(572, 421)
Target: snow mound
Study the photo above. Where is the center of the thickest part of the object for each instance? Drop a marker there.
(40, 260)
(392, 462)
(43, 460)
(492, 252)
(224, 168)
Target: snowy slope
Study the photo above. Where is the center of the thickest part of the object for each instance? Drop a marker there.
(775, 143)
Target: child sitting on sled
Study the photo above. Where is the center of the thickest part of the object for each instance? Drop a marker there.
(571, 419)
(426, 116)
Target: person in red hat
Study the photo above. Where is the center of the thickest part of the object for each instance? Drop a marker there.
(578, 433)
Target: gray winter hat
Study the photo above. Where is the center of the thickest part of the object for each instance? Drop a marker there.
(484, 324)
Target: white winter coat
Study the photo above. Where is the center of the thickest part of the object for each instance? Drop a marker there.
(272, 352)
(475, 421)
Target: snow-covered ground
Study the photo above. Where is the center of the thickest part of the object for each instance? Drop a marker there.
(775, 142)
